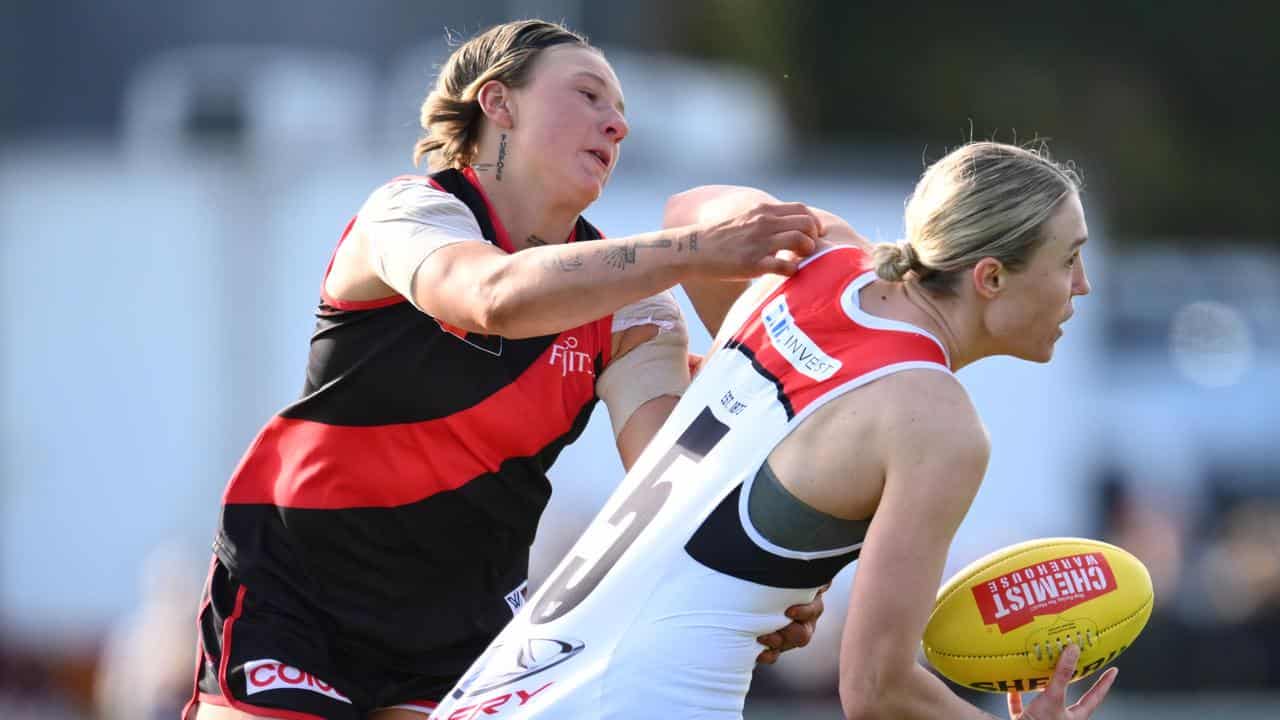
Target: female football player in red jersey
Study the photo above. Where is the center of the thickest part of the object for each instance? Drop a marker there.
(375, 536)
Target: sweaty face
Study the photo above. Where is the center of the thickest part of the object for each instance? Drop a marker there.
(569, 123)
(1027, 316)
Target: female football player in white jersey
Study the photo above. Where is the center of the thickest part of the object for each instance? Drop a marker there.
(825, 426)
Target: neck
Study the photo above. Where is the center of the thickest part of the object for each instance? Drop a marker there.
(530, 211)
(959, 334)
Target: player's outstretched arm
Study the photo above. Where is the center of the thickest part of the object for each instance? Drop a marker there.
(543, 290)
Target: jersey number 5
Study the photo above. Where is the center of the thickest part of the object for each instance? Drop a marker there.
(641, 506)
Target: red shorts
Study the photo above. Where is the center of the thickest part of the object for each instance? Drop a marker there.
(279, 659)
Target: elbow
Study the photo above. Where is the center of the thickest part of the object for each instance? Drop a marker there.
(500, 309)
(857, 706)
(862, 707)
(869, 698)
(494, 311)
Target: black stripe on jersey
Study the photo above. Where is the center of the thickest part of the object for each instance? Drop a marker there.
(702, 434)
(721, 544)
(429, 574)
(764, 372)
(358, 357)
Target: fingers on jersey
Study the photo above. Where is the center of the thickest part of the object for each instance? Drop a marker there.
(809, 221)
(768, 657)
(795, 229)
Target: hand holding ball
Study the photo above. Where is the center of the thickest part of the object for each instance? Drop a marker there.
(1002, 623)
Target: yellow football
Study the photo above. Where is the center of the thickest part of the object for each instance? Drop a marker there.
(1000, 623)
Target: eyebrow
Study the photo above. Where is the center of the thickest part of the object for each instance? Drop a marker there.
(622, 107)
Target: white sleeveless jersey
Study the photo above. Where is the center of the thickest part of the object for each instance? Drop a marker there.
(656, 610)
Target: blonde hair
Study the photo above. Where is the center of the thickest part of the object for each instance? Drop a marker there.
(451, 113)
(984, 199)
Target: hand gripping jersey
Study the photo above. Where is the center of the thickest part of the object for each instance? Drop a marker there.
(398, 497)
(656, 610)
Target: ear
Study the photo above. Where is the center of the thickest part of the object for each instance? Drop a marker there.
(989, 277)
(495, 98)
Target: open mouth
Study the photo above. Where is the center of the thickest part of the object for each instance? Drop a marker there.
(600, 157)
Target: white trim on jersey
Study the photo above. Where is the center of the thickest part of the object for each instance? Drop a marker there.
(852, 305)
(745, 517)
(817, 255)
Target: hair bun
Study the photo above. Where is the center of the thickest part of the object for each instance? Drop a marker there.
(894, 260)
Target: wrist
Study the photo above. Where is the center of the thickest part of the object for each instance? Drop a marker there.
(691, 252)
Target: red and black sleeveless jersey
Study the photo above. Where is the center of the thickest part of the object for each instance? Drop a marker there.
(398, 497)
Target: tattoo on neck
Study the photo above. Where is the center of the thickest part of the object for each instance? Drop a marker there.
(620, 257)
(482, 167)
(502, 155)
(535, 241)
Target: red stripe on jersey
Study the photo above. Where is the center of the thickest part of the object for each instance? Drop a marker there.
(306, 464)
(815, 307)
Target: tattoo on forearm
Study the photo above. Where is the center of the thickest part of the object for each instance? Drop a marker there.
(620, 257)
(693, 242)
(565, 263)
(502, 155)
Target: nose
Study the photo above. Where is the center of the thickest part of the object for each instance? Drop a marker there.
(616, 127)
(1080, 283)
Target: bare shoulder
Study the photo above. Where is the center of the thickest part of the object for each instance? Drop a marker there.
(838, 230)
(704, 202)
(927, 408)
(706, 193)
